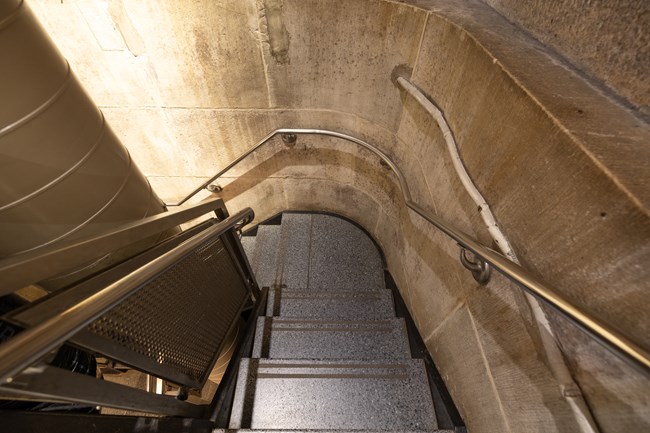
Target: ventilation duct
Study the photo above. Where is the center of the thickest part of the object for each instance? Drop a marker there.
(63, 172)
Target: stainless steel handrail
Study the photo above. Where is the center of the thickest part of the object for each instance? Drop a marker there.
(34, 343)
(37, 265)
(606, 335)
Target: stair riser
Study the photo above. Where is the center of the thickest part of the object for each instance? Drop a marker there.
(306, 339)
(331, 306)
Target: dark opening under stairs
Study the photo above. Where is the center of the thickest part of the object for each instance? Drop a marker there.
(330, 354)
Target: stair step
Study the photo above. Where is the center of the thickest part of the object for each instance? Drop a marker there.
(315, 339)
(331, 305)
(333, 395)
(266, 254)
(293, 263)
(343, 257)
(219, 430)
(248, 243)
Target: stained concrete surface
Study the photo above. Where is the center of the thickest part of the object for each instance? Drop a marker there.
(609, 40)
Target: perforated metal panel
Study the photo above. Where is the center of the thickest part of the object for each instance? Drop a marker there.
(174, 326)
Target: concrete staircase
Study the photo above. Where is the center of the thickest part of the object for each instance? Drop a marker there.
(330, 354)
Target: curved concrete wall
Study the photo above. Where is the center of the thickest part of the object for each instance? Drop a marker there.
(562, 165)
(608, 40)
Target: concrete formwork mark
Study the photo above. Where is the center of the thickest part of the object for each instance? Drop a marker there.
(276, 32)
(125, 26)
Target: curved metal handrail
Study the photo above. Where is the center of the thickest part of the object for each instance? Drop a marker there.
(603, 333)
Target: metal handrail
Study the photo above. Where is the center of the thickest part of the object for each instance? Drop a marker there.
(35, 342)
(37, 265)
(610, 338)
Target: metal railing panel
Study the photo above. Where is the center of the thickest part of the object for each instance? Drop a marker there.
(32, 344)
(173, 327)
(49, 306)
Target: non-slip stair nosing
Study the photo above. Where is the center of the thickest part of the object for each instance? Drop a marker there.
(335, 322)
(244, 430)
(333, 295)
(307, 295)
(406, 375)
(382, 330)
(279, 325)
(332, 376)
(333, 366)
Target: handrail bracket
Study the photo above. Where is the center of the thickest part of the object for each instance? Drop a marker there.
(480, 269)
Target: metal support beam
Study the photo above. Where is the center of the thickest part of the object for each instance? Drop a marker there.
(34, 422)
(46, 383)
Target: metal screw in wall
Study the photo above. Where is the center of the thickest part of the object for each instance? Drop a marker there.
(289, 139)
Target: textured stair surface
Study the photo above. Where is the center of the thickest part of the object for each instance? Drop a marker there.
(248, 243)
(293, 256)
(316, 252)
(330, 355)
(343, 257)
(334, 395)
(331, 305)
(328, 431)
(315, 339)
(265, 259)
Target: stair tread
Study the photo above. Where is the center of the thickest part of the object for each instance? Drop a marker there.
(317, 339)
(293, 263)
(329, 431)
(337, 394)
(266, 254)
(331, 305)
(248, 243)
(343, 257)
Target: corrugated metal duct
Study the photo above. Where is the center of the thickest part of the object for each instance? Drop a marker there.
(63, 172)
